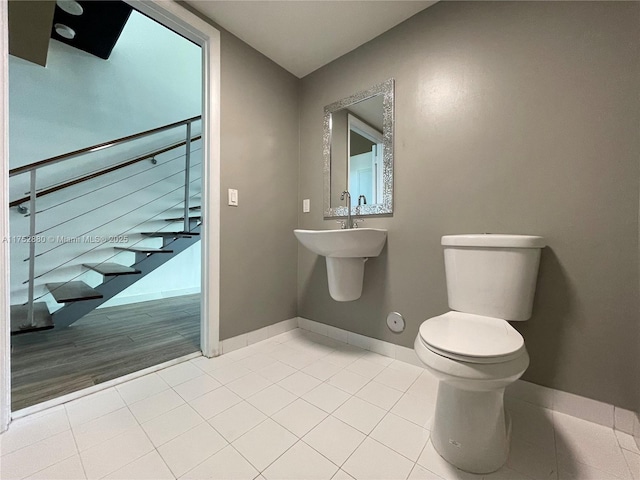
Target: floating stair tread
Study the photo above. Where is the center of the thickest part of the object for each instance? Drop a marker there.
(65, 292)
(112, 269)
(20, 313)
(181, 219)
(170, 234)
(144, 249)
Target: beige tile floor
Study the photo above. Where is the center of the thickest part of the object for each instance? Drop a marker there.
(297, 406)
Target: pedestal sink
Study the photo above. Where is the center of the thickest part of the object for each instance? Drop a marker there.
(346, 251)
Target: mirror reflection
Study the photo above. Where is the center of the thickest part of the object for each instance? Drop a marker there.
(364, 173)
(358, 141)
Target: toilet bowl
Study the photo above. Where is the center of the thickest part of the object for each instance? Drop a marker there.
(473, 350)
(470, 429)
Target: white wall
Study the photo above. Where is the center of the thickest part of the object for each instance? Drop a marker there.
(152, 78)
(179, 276)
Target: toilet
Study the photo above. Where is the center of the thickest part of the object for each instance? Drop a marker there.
(473, 350)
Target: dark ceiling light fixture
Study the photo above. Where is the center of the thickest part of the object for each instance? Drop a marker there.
(70, 6)
(98, 28)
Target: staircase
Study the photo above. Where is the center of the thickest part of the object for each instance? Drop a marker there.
(73, 274)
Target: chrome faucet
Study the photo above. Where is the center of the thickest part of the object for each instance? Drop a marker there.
(360, 199)
(349, 223)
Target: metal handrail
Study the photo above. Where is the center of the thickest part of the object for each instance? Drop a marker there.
(100, 146)
(99, 173)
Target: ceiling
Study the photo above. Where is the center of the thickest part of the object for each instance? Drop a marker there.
(302, 36)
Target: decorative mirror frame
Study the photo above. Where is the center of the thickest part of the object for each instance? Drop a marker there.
(387, 89)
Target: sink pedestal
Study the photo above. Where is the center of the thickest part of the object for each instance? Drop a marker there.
(346, 276)
(346, 251)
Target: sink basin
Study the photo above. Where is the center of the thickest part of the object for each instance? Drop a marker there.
(355, 242)
(345, 251)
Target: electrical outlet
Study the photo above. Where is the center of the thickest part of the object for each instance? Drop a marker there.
(306, 205)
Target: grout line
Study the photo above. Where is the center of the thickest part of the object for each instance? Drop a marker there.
(157, 416)
(206, 459)
(420, 455)
(138, 458)
(165, 463)
(555, 443)
(116, 436)
(214, 453)
(282, 454)
(39, 416)
(624, 447)
(59, 461)
(320, 453)
(628, 460)
(246, 459)
(180, 434)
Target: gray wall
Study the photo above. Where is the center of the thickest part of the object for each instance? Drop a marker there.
(516, 118)
(259, 157)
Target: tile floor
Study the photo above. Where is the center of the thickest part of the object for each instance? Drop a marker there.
(297, 406)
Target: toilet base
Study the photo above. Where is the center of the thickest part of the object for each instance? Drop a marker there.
(470, 429)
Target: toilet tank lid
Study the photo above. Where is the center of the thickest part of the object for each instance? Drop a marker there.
(489, 240)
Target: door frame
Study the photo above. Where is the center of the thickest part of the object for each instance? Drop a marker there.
(177, 18)
(375, 136)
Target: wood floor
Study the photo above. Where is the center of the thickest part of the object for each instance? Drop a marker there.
(106, 344)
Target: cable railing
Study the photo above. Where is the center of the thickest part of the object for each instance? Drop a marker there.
(99, 173)
(102, 187)
(29, 203)
(87, 212)
(124, 232)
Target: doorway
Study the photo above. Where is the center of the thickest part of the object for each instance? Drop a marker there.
(178, 19)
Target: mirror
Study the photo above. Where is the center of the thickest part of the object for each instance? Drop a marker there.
(358, 152)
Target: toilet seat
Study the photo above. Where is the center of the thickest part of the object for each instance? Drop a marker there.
(471, 338)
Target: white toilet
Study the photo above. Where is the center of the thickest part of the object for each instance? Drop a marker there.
(473, 351)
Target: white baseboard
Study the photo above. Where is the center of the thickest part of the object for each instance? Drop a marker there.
(264, 333)
(145, 297)
(581, 407)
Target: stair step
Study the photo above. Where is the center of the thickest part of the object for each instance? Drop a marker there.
(111, 269)
(170, 234)
(196, 207)
(146, 263)
(144, 249)
(181, 219)
(41, 316)
(77, 291)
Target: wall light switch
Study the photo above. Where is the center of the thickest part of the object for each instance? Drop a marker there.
(233, 197)
(306, 205)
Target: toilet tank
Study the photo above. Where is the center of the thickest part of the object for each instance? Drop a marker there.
(492, 275)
